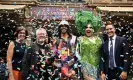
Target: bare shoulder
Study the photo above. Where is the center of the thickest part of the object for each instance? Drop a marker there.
(11, 44)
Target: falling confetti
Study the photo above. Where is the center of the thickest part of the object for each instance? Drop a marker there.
(9, 25)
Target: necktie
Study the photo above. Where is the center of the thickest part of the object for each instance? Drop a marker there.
(111, 55)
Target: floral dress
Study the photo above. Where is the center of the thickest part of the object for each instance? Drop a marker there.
(90, 55)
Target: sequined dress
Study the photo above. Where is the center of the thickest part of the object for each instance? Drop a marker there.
(90, 55)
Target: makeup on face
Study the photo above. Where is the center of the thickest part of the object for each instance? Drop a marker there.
(89, 27)
(89, 30)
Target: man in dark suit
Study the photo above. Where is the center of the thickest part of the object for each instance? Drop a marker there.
(115, 57)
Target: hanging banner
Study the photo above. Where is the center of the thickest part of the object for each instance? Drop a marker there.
(55, 12)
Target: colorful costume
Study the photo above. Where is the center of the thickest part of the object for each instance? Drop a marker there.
(90, 55)
(66, 58)
(89, 49)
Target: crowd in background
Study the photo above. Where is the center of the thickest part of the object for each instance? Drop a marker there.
(56, 51)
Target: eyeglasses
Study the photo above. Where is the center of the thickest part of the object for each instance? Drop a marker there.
(64, 25)
(90, 27)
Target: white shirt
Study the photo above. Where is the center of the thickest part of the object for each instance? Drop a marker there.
(73, 40)
(113, 40)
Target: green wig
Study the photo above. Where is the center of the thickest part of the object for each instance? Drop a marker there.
(85, 17)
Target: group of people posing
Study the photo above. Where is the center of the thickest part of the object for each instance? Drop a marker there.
(68, 57)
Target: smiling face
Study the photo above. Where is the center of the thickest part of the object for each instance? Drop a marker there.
(64, 28)
(22, 35)
(89, 30)
(110, 30)
(41, 35)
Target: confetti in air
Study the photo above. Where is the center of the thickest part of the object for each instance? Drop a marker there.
(41, 17)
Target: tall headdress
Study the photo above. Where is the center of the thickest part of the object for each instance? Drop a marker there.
(85, 17)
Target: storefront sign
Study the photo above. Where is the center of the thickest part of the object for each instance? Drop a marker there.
(55, 12)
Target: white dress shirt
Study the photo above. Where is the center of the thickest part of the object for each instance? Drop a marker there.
(113, 40)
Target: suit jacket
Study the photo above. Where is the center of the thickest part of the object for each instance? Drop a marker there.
(121, 53)
(32, 58)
